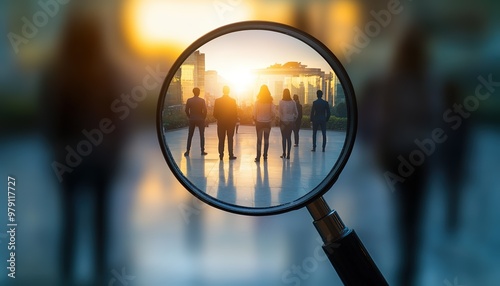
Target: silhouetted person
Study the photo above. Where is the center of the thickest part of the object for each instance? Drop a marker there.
(298, 121)
(263, 115)
(288, 114)
(196, 111)
(453, 155)
(403, 100)
(85, 135)
(320, 113)
(226, 113)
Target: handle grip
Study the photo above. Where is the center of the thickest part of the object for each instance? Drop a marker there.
(352, 261)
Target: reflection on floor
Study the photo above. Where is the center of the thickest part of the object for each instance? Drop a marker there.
(160, 235)
(243, 182)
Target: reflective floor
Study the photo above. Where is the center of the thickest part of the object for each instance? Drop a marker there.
(245, 183)
(160, 235)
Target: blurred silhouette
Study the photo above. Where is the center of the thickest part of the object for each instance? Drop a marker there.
(288, 114)
(403, 100)
(263, 115)
(298, 121)
(85, 135)
(320, 113)
(453, 155)
(196, 111)
(226, 113)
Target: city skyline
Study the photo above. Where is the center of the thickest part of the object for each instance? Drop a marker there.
(245, 60)
(300, 79)
(236, 56)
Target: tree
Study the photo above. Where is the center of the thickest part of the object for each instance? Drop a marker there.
(340, 110)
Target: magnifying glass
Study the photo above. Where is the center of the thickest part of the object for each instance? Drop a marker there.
(208, 130)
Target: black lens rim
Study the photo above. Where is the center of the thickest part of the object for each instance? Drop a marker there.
(352, 116)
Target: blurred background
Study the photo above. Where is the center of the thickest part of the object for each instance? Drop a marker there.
(116, 215)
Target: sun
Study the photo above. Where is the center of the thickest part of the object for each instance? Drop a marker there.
(156, 24)
(241, 81)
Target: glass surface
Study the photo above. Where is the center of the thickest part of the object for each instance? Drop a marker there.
(244, 61)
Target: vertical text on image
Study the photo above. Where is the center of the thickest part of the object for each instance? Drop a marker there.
(11, 226)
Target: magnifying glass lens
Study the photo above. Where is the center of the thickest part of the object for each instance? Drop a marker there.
(256, 118)
(259, 118)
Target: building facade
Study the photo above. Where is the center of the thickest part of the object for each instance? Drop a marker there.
(298, 78)
(191, 74)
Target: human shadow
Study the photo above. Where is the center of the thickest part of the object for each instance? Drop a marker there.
(262, 194)
(226, 190)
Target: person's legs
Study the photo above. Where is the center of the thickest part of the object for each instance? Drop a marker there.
(296, 128)
(315, 130)
(267, 131)
(192, 125)
(68, 229)
(230, 137)
(288, 139)
(201, 129)
(283, 139)
(323, 131)
(410, 198)
(221, 133)
(259, 130)
(100, 194)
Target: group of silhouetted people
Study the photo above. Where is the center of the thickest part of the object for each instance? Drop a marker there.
(226, 114)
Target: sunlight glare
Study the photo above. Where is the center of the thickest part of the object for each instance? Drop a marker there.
(154, 24)
(240, 80)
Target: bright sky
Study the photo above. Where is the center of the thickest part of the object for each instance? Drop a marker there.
(235, 55)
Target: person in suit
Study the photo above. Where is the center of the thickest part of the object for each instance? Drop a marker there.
(196, 111)
(263, 116)
(298, 121)
(320, 113)
(226, 114)
(288, 115)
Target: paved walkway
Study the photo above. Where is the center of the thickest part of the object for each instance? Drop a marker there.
(246, 183)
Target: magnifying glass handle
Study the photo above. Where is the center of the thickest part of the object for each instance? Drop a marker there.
(352, 262)
(344, 249)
